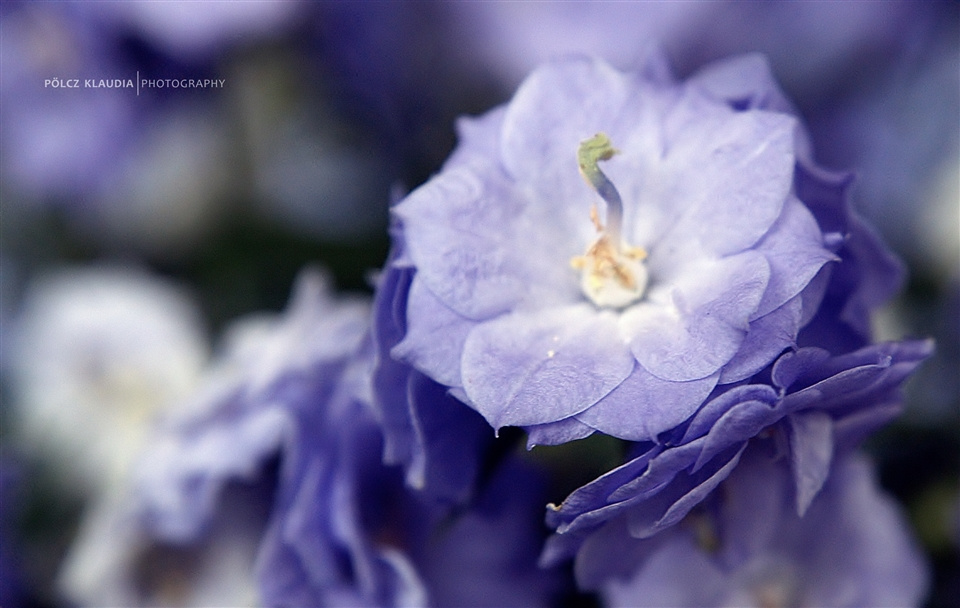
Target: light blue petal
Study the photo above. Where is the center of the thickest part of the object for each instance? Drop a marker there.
(532, 368)
(643, 406)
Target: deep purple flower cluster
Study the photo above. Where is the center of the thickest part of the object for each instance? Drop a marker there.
(814, 408)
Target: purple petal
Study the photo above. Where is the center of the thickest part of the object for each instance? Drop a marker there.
(881, 274)
(532, 368)
(449, 438)
(670, 506)
(558, 106)
(587, 497)
(744, 173)
(556, 433)
(703, 327)
(660, 472)
(422, 348)
(796, 364)
(741, 423)
(643, 406)
(720, 405)
(457, 229)
(745, 81)
(181, 475)
(768, 336)
(794, 249)
(477, 137)
(811, 448)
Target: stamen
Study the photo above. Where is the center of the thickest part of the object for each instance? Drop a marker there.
(612, 274)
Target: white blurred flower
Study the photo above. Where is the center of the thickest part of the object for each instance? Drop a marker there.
(112, 562)
(96, 353)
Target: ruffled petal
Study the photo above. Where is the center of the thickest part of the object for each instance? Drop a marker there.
(643, 406)
(703, 326)
(477, 137)
(745, 82)
(421, 348)
(558, 106)
(769, 335)
(556, 433)
(794, 249)
(714, 409)
(449, 438)
(598, 491)
(744, 171)
(457, 229)
(679, 497)
(526, 369)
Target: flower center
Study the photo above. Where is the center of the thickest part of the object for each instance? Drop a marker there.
(612, 273)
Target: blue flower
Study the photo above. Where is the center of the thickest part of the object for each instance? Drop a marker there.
(699, 271)
(749, 547)
(247, 409)
(293, 395)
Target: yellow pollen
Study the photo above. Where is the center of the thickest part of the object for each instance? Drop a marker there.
(607, 261)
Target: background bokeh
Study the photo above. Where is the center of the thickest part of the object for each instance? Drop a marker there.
(203, 204)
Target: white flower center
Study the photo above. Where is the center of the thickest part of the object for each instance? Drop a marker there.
(612, 273)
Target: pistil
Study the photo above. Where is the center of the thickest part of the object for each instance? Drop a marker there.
(612, 272)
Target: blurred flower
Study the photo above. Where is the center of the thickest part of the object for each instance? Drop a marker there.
(347, 531)
(344, 530)
(114, 561)
(202, 487)
(192, 30)
(809, 44)
(96, 354)
(633, 342)
(749, 547)
(241, 415)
